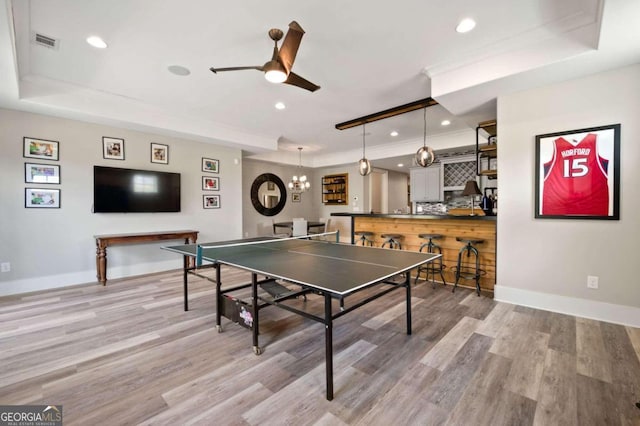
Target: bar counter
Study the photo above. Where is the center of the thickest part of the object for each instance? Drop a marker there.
(450, 226)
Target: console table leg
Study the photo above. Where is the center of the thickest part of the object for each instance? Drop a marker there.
(190, 262)
(101, 263)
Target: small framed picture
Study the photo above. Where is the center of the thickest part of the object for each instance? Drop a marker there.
(210, 165)
(41, 173)
(159, 153)
(295, 197)
(211, 201)
(271, 186)
(112, 148)
(41, 148)
(42, 198)
(210, 183)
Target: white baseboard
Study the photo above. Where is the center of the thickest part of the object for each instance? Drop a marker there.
(602, 311)
(29, 285)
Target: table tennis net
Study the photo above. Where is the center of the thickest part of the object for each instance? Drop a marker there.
(270, 243)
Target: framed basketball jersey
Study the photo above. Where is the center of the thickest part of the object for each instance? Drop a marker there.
(578, 174)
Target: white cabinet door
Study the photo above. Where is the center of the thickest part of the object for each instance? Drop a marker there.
(418, 184)
(425, 184)
(432, 192)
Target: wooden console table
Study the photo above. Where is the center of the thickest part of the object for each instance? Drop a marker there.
(106, 240)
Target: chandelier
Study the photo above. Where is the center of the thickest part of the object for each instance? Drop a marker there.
(299, 183)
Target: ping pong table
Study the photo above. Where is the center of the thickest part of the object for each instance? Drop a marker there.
(332, 270)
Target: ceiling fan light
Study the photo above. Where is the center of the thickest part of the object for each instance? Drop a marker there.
(275, 76)
(274, 72)
(425, 156)
(364, 167)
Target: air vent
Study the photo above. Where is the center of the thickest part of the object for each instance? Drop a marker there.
(45, 41)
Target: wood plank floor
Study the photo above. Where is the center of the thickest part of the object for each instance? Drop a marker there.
(128, 354)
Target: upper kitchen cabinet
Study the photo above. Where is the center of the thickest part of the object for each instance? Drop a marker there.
(425, 184)
(487, 154)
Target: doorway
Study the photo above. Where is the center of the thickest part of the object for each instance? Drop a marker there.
(378, 191)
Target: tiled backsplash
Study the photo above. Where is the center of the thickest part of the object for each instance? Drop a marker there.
(453, 200)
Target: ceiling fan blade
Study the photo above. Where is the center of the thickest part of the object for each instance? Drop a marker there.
(295, 80)
(216, 70)
(290, 45)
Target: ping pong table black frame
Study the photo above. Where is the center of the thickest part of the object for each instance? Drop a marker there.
(258, 302)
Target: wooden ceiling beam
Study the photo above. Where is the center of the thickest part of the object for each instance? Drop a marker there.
(391, 112)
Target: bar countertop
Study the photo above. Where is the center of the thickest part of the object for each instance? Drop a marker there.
(415, 216)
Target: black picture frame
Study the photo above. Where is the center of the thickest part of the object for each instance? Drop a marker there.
(159, 153)
(210, 183)
(210, 165)
(112, 148)
(577, 174)
(211, 201)
(41, 198)
(47, 174)
(42, 149)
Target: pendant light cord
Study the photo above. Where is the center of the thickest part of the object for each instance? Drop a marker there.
(424, 139)
(363, 133)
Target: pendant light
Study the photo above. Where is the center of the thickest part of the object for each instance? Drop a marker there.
(364, 166)
(299, 184)
(425, 155)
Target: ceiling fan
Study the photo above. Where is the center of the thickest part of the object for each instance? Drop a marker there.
(278, 69)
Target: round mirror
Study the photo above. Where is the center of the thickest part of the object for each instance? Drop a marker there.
(268, 194)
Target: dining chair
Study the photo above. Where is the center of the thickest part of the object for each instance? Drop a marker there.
(299, 228)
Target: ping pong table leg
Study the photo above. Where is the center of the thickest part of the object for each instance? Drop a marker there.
(254, 302)
(185, 279)
(407, 285)
(328, 337)
(218, 298)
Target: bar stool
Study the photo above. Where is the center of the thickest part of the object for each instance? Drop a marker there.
(465, 271)
(431, 267)
(392, 240)
(364, 237)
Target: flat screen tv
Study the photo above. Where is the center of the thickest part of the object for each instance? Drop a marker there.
(117, 190)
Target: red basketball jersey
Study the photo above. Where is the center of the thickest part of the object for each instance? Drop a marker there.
(575, 180)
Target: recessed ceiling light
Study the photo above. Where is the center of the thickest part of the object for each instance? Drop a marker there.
(394, 133)
(400, 165)
(97, 42)
(466, 25)
(445, 123)
(178, 70)
(280, 105)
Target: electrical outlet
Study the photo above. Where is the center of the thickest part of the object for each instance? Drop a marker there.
(5, 267)
(592, 282)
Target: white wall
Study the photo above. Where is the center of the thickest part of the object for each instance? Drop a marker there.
(254, 223)
(545, 262)
(55, 247)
